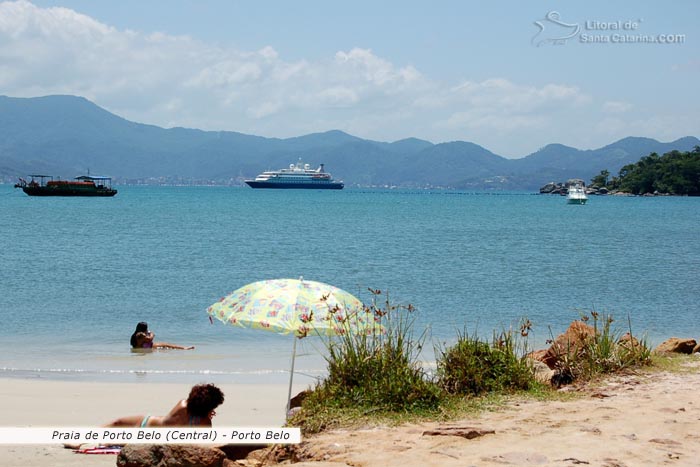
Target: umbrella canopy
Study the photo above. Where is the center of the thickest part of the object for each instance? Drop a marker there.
(295, 306)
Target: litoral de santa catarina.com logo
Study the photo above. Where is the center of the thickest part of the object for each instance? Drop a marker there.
(553, 30)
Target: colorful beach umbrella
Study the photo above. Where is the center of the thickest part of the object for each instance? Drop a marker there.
(294, 306)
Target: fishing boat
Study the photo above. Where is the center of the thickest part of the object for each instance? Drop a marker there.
(298, 175)
(85, 185)
(576, 195)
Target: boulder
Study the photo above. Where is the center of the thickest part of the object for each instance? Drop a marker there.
(236, 452)
(696, 348)
(548, 188)
(628, 341)
(574, 182)
(297, 400)
(169, 455)
(542, 372)
(677, 345)
(572, 342)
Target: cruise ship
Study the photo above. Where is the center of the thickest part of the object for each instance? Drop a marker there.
(298, 175)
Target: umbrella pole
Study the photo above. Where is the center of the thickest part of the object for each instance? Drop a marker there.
(291, 376)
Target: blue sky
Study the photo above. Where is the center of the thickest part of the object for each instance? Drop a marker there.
(441, 71)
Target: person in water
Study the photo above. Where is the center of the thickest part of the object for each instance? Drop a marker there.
(142, 338)
(196, 410)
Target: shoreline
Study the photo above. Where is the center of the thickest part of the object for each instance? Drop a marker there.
(645, 418)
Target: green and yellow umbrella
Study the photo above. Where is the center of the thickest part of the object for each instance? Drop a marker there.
(295, 306)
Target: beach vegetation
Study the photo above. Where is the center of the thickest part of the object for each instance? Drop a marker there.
(375, 377)
(675, 362)
(378, 369)
(603, 350)
(473, 366)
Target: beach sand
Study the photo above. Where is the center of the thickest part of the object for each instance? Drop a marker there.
(648, 419)
(42, 403)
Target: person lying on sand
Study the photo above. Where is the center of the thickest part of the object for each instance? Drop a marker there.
(142, 338)
(196, 410)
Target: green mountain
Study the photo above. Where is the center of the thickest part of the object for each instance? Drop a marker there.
(67, 135)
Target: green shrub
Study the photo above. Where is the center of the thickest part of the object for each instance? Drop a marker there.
(378, 370)
(472, 366)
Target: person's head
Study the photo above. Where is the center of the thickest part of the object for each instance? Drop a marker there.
(203, 399)
(141, 327)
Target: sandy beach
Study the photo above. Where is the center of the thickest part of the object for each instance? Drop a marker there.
(647, 419)
(43, 403)
(641, 420)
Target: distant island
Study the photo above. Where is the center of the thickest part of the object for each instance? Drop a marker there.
(66, 136)
(674, 173)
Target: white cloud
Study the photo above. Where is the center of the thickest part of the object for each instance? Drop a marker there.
(616, 107)
(180, 81)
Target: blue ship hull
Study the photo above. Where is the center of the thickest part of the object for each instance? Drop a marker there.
(299, 185)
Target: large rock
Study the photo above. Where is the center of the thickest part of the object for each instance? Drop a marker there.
(542, 372)
(572, 342)
(170, 455)
(677, 345)
(548, 188)
(629, 342)
(240, 451)
(574, 182)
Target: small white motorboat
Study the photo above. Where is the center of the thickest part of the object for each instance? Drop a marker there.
(576, 195)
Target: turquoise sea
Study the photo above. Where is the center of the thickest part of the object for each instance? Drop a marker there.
(77, 274)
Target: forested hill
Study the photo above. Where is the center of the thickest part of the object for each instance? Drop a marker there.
(67, 135)
(675, 173)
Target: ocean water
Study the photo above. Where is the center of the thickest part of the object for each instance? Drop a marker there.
(77, 274)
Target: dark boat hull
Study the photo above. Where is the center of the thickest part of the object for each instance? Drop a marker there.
(304, 186)
(67, 191)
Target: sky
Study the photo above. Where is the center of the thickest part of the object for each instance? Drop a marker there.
(511, 76)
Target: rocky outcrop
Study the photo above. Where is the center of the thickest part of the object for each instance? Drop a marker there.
(572, 342)
(677, 345)
(551, 187)
(562, 188)
(158, 455)
(170, 455)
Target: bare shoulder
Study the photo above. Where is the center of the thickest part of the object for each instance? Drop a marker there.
(177, 415)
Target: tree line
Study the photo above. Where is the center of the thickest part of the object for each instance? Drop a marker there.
(675, 173)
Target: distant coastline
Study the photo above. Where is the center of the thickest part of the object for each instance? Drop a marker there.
(39, 138)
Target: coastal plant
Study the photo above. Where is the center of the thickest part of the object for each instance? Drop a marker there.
(377, 370)
(604, 349)
(472, 366)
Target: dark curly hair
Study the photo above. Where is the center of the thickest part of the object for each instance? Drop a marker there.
(203, 399)
(142, 327)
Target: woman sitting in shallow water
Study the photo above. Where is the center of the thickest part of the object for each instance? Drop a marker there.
(196, 410)
(142, 338)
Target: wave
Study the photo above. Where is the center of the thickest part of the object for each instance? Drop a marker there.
(169, 374)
